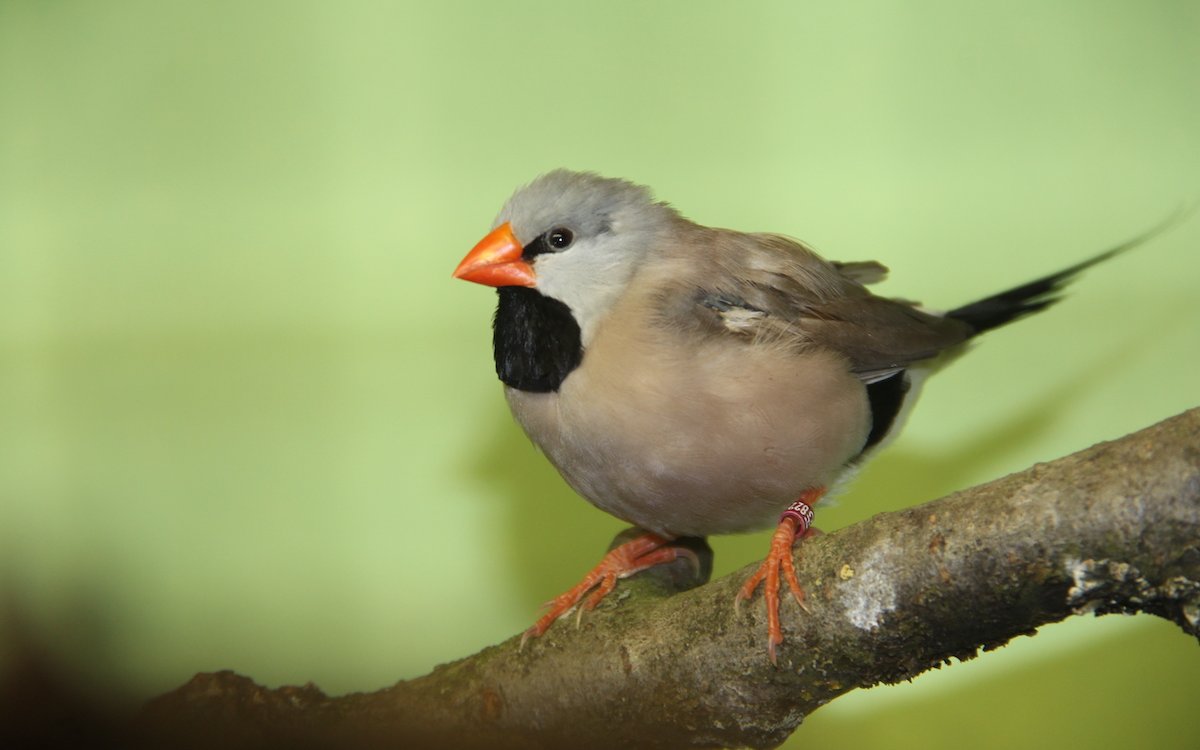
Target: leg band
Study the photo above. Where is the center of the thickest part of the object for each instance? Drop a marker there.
(802, 512)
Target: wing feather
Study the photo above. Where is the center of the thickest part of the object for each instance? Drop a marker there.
(774, 289)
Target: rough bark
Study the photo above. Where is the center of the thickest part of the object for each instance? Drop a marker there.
(1114, 528)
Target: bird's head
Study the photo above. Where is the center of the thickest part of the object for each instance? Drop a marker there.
(574, 237)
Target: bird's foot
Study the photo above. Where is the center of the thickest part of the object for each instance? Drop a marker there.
(634, 556)
(795, 524)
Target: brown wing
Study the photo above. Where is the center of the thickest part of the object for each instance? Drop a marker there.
(773, 289)
(862, 271)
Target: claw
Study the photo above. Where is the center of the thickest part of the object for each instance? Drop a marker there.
(792, 526)
(692, 558)
(634, 556)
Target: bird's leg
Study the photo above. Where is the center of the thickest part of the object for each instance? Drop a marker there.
(795, 524)
(634, 556)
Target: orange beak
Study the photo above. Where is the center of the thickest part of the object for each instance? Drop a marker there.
(496, 261)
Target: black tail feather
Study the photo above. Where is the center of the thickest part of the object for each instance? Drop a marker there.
(1026, 299)
(1035, 296)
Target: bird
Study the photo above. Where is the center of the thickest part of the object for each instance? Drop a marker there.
(695, 381)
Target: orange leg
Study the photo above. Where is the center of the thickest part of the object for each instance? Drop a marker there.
(634, 556)
(795, 524)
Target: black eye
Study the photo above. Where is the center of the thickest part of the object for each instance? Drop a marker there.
(560, 237)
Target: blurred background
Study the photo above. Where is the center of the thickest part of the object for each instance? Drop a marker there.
(247, 421)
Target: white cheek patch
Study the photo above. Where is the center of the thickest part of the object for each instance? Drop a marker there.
(587, 277)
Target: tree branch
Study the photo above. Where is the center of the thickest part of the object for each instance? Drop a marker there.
(1114, 528)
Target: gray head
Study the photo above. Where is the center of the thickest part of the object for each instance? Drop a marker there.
(584, 236)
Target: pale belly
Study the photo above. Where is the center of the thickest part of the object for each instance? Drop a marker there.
(699, 442)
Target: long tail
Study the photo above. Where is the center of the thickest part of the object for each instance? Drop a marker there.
(1035, 296)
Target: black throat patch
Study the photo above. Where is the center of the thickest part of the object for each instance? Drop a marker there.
(535, 340)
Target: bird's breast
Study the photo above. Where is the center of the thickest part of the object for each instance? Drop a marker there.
(689, 439)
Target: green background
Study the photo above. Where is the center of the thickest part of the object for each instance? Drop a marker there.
(248, 421)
